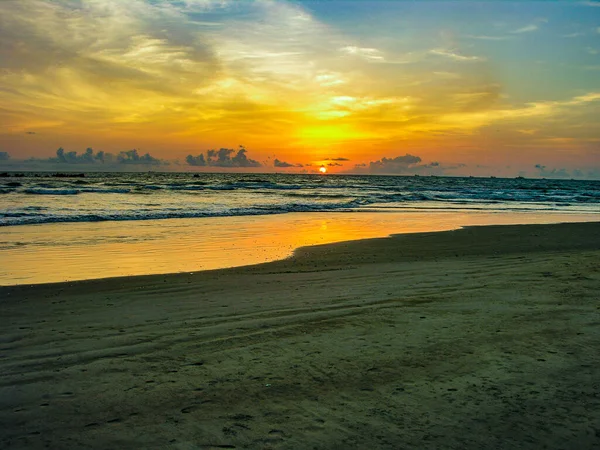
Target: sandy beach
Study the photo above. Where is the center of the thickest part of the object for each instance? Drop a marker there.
(483, 337)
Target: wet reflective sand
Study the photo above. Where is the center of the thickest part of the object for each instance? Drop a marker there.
(65, 252)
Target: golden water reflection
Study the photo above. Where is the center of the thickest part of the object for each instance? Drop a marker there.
(62, 252)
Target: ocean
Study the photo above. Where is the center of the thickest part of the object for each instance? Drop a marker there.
(66, 227)
(38, 198)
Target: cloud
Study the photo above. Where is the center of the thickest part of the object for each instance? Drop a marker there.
(86, 157)
(58, 60)
(593, 174)
(405, 165)
(4, 156)
(398, 165)
(337, 159)
(330, 79)
(164, 74)
(223, 158)
(404, 160)
(30, 132)
(489, 38)
(545, 172)
(454, 55)
(63, 157)
(334, 164)
(481, 117)
(148, 69)
(199, 160)
(283, 164)
(531, 27)
(89, 156)
(371, 54)
(132, 157)
(553, 173)
(526, 29)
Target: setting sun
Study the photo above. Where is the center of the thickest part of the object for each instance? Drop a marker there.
(323, 169)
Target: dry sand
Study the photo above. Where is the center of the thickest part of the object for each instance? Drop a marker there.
(485, 337)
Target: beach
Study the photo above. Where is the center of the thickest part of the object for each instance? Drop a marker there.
(482, 337)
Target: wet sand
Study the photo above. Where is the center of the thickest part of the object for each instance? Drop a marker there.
(60, 252)
(484, 337)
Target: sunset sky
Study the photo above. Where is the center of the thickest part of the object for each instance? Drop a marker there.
(454, 88)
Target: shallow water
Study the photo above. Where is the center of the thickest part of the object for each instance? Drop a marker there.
(44, 253)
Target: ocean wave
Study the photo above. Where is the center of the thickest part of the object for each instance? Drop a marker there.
(184, 196)
(253, 185)
(50, 191)
(187, 188)
(71, 191)
(463, 207)
(11, 219)
(11, 215)
(316, 195)
(105, 191)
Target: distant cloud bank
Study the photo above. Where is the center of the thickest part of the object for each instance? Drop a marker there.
(89, 157)
(405, 165)
(545, 172)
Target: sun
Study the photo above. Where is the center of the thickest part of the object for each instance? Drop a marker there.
(323, 169)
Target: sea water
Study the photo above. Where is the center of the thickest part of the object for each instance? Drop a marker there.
(59, 228)
(94, 197)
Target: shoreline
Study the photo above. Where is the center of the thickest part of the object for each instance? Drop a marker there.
(474, 338)
(51, 253)
(320, 252)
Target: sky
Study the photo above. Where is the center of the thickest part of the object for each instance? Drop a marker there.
(401, 87)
